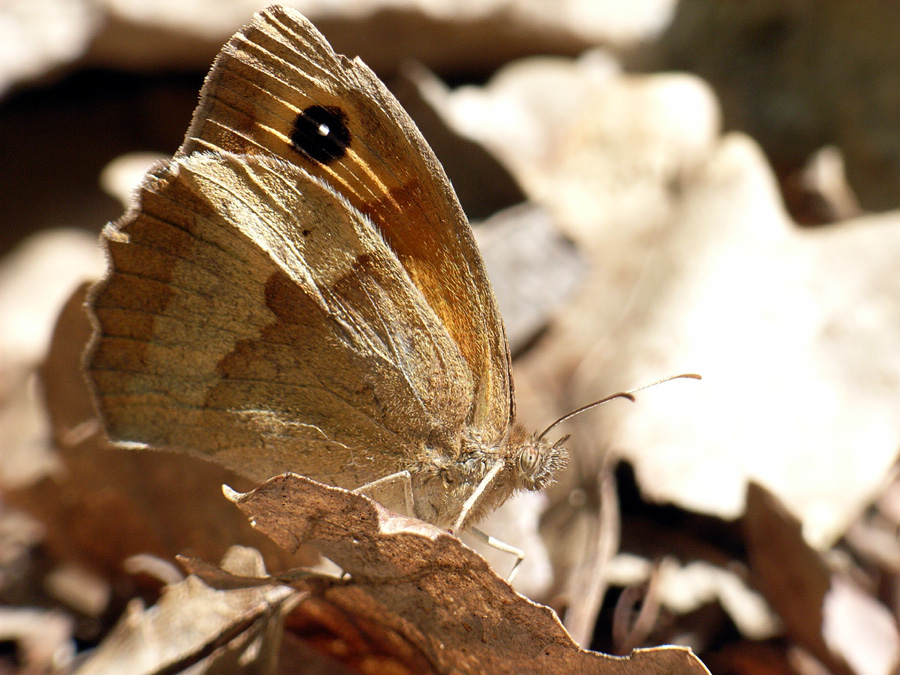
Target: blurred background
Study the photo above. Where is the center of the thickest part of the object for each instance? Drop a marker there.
(658, 186)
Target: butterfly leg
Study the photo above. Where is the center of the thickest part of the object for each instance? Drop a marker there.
(471, 504)
(502, 546)
(404, 478)
(476, 496)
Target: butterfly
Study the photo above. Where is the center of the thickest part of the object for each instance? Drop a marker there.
(298, 289)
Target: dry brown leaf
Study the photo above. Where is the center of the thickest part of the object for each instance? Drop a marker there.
(193, 625)
(423, 585)
(337, 641)
(835, 620)
(755, 658)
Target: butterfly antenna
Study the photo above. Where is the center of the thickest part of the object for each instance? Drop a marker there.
(622, 394)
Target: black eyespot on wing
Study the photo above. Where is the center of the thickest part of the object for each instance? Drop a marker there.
(321, 133)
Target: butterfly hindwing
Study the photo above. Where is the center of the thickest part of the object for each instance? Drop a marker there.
(228, 329)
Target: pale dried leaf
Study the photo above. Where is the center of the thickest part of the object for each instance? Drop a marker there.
(25, 445)
(489, 31)
(827, 192)
(194, 624)
(796, 334)
(36, 279)
(860, 628)
(596, 21)
(39, 35)
(600, 149)
(44, 638)
(685, 587)
(121, 177)
(697, 268)
(79, 589)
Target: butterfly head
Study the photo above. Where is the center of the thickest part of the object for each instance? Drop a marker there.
(537, 460)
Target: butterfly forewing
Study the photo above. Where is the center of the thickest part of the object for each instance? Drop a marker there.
(277, 88)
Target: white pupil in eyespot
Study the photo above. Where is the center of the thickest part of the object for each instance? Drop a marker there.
(324, 130)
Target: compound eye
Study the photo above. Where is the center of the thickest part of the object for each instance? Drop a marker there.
(529, 459)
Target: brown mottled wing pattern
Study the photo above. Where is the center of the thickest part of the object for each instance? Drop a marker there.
(275, 87)
(253, 316)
